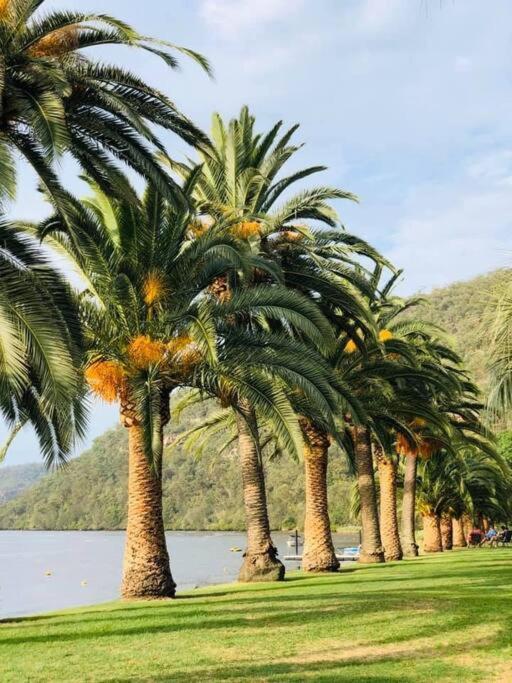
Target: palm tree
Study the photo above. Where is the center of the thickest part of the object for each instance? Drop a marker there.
(371, 546)
(454, 419)
(40, 348)
(379, 369)
(458, 532)
(319, 554)
(143, 330)
(445, 526)
(456, 416)
(152, 326)
(414, 382)
(239, 182)
(470, 477)
(55, 99)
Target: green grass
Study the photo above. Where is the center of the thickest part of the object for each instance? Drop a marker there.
(439, 618)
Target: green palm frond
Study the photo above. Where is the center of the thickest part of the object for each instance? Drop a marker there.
(57, 97)
(40, 347)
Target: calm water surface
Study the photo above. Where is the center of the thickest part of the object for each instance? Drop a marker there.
(50, 570)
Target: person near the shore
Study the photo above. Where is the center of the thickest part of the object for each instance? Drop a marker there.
(475, 536)
(490, 538)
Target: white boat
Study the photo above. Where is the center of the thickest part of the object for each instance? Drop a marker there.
(349, 553)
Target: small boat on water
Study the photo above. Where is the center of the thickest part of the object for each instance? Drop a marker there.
(349, 553)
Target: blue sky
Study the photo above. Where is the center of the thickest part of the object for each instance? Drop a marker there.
(408, 102)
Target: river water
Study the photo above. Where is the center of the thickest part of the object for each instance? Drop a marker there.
(43, 571)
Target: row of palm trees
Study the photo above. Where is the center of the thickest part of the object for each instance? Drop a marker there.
(220, 281)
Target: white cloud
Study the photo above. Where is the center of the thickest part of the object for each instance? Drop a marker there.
(231, 17)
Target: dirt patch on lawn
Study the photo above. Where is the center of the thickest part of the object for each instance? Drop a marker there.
(333, 650)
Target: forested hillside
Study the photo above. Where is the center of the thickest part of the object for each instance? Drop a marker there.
(204, 492)
(199, 492)
(17, 478)
(463, 310)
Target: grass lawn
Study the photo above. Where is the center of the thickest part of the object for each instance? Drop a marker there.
(440, 618)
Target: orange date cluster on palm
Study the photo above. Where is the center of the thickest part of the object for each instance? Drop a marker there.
(246, 229)
(291, 236)
(423, 449)
(107, 378)
(384, 336)
(154, 289)
(143, 351)
(197, 228)
(56, 44)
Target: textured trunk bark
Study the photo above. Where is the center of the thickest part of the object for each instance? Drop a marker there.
(409, 507)
(388, 515)
(485, 525)
(260, 558)
(371, 547)
(458, 535)
(467, 524)
(146, 571)
(446, 531)
(318, 554)
(432, 542)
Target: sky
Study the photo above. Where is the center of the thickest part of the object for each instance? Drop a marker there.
(408, 103)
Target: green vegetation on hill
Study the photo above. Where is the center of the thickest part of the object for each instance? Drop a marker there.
(438, 618)
(463, 309)
(204, 492)
(17, 478)
(199, 492)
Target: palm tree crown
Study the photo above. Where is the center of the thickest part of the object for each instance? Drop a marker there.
(56, 99)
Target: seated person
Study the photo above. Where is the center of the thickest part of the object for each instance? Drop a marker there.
(475, 536)
(490, 538)
(502, 536)
(505, 534)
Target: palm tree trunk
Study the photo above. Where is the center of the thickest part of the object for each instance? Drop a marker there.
(446, 531)
(468, 524)
(371, 547)
(146, 570)
(432, 542)
(260, 558)
(458, 535)
(409, 507)
(388, 515)
(318, 554)
(4, 448)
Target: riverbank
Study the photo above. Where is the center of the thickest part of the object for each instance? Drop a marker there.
(444, 617)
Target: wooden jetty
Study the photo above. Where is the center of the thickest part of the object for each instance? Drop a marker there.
(341, 558)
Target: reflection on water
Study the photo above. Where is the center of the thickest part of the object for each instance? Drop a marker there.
(50, 570)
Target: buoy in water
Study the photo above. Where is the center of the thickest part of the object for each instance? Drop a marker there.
(48, 573)
(83, 583)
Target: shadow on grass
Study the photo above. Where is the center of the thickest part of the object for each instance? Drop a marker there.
(464, 608)
(461, 600)
(356, 668)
